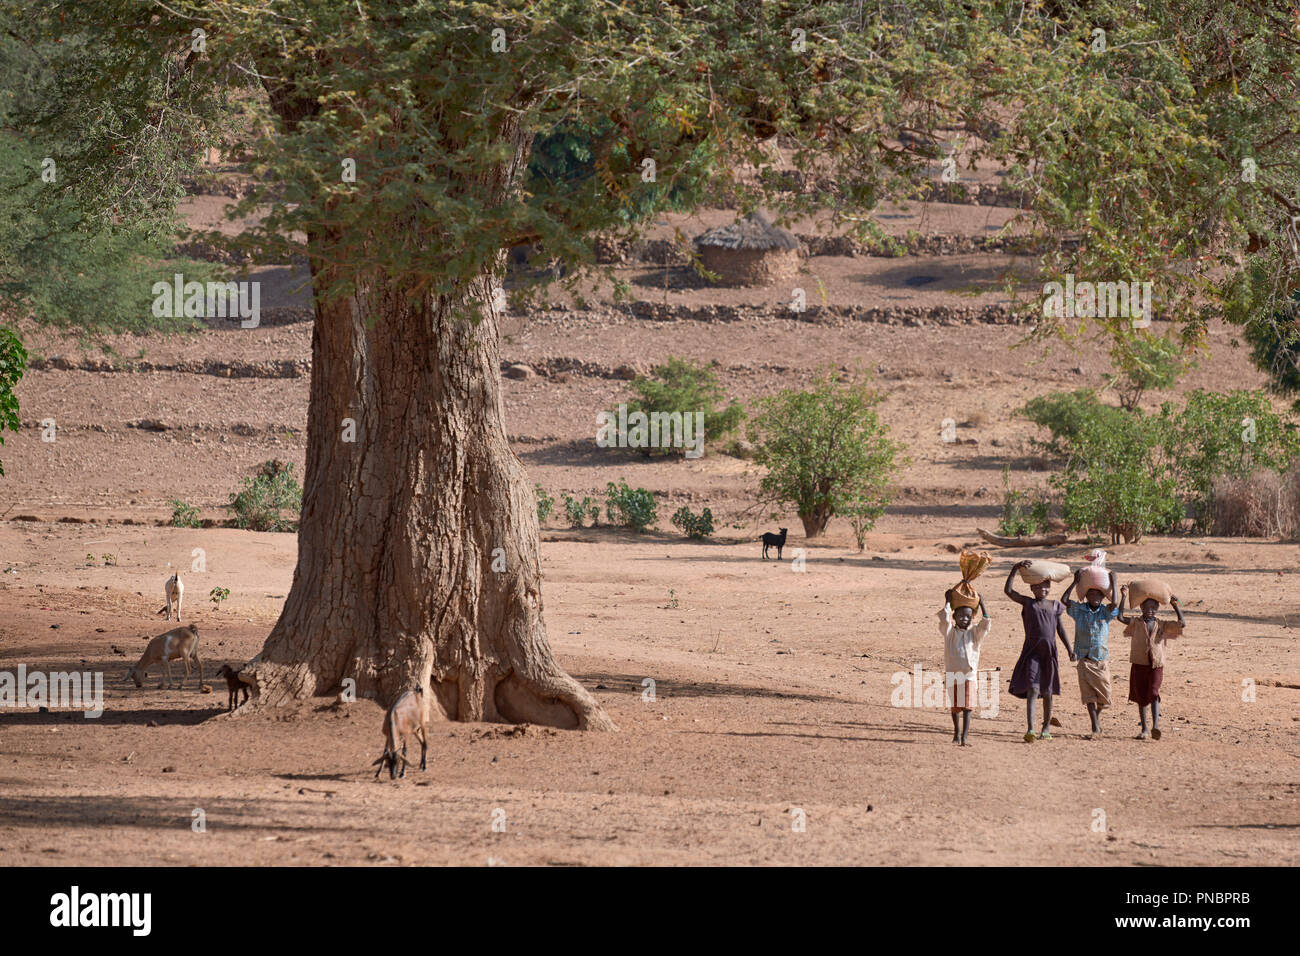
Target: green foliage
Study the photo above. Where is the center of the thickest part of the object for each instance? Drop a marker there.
(13, 362)
(578, 511)
(184, 515)
(260, 504)
(1115, 482)
(825, 450)
(630, 507)
(545, 504)
(1224, 435)
(1023, 512)
(217, 595)
(68, 254)
(1275, 347)
(692, 525)
(1067, 414)
(678, 386)
(1144, 363)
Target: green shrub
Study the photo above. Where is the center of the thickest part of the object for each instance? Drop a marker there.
(183, 515)
(1065, 414)
(13, 361)
(1023, 512)
(1224, 435)
(1115, 481)
(693, 526)
(679, 387)
(630, 507)
(545, 504)
(578, 511)
(825, 451)
(259, 504)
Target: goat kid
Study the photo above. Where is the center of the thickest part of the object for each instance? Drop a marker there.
(178, 644)
(233, 685)
(406, 716)
(174, 591)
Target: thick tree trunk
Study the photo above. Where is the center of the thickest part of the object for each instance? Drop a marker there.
(418, 548)
(814, 522)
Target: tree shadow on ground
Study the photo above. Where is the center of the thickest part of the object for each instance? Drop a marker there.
(595, 680)
(152, 813)
(111, 718)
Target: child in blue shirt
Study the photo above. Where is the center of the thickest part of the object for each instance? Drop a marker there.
(1092, 645)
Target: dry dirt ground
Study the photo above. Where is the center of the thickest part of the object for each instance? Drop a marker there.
(772, 686)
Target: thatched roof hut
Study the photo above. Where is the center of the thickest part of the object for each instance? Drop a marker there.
(750, 251)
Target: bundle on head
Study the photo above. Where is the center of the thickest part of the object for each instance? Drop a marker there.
(1036, 572)
(1096, 575)
(972, 565)
(1143, 588)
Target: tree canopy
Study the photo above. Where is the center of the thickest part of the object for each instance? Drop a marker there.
(1155, 142)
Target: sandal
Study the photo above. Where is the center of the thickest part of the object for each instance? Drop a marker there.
(1155, 733)
(1029, 737)
(1045, 735)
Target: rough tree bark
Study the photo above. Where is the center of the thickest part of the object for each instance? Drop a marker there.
(418, 549)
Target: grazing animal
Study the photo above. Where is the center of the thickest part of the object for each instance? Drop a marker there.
(234, 685)
(771, 540)
(178, 644)
(406, 716)
(174, 591)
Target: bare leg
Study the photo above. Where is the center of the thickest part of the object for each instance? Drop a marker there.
(1155, 719)
(1142, 716)
(1094, 715)
(1029, 713)
(965, 727)
(1047, 715)
(956, 738)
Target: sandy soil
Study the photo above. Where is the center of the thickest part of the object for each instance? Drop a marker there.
(772, 686)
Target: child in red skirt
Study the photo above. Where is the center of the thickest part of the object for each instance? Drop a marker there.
(1148, 635)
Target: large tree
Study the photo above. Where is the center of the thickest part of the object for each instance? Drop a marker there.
(390, 144)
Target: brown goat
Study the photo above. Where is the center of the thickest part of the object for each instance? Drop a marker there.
(233, 685)
(178, 644)
(406, 716)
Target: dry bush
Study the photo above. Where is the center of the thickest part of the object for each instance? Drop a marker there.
(1265, 504)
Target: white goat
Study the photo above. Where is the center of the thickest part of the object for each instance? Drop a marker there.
(174, 590)
(178, 644)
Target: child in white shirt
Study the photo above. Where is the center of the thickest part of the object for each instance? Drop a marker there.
(961, 658)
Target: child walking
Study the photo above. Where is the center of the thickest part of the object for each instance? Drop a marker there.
(1146, 655)
(1037, 674)
(1092, 645)
(961, 658)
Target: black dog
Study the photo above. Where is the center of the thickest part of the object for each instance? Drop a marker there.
(233, 684)
(773, 541)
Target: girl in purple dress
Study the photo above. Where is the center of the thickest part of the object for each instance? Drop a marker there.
(1036, 674)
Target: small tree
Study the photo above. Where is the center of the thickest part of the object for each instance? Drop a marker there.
(825, 451)
(680, 387)
(1116, 483)
(1144, 363)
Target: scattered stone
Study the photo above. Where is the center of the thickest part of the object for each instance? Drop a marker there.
(519, 370)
